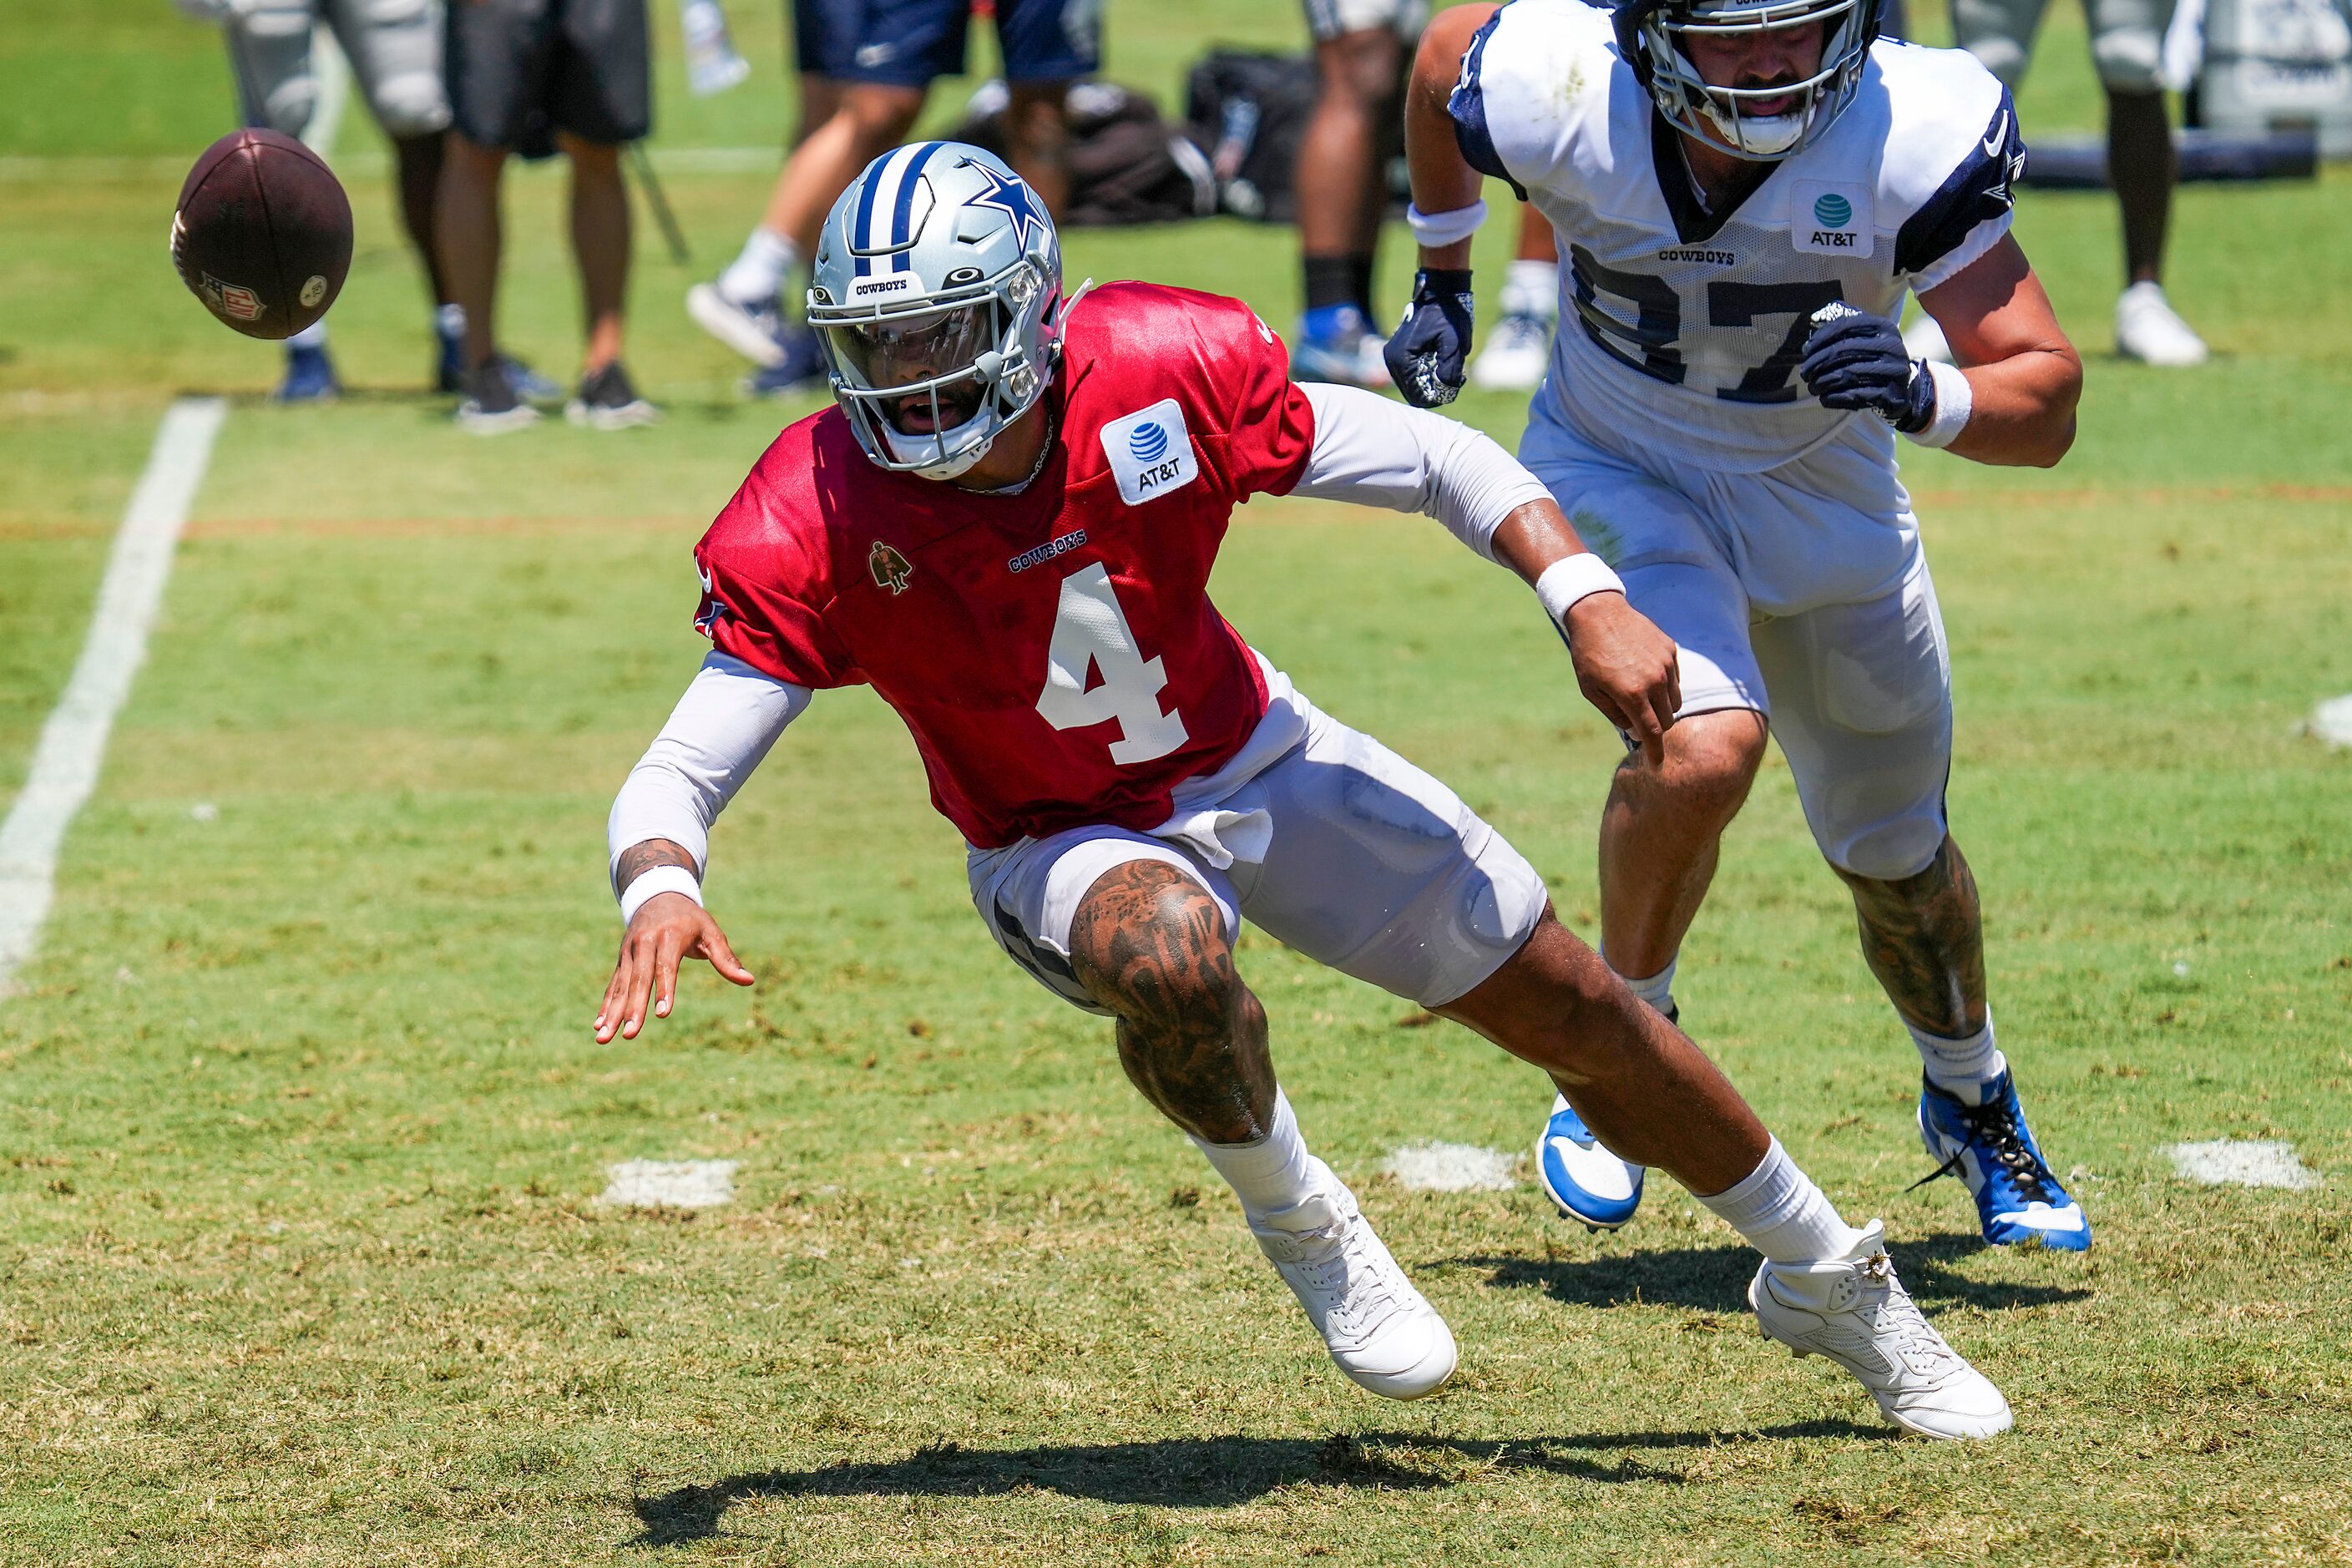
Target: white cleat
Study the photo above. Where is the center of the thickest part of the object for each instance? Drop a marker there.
(2150, 329)
(750, 330)
(1379, 1330)
(1922, 339)
(1515, 358)
(1854, 1311)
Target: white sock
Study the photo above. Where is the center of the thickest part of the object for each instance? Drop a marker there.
(1273, 1172)
(1961, 1067)
(313, 336)
(1531, 288)
(1783, 1214)
(1658, 990)
(449, 321)
(757, 274)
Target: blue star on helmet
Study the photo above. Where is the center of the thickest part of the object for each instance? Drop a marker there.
(1015, 201)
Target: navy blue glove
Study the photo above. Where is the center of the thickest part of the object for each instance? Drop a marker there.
(1429, 356)
(1858, 361)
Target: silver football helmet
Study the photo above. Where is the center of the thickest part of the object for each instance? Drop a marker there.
(1650, 35)
(937, 293)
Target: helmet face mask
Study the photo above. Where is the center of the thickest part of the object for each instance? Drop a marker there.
(1653, 37)
(936, 293)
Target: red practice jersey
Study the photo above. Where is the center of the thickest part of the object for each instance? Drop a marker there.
(1054, 652)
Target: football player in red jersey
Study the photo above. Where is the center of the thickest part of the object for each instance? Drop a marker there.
(1005, 527)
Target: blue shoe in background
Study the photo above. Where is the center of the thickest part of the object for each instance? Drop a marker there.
(449, 359)
(1989, 1146)
(309, 376)
(1336, 343)
(801, 364)
(1584, 1181)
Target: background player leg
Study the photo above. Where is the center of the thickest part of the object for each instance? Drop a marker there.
(1519, 347)
(1341, 203)
(743, 308)
(2144, 168)
(1151, 945)
(599, 244)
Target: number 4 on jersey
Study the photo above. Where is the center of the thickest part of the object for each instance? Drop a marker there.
(1091, 636)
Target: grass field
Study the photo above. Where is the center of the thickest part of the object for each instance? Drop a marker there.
(302, 1123)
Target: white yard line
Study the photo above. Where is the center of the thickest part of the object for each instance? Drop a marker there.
(670, 1183)
(333, 73)
(1454, 1168)
(73, 743)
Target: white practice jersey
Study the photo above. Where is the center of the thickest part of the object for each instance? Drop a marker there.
(1685, 327)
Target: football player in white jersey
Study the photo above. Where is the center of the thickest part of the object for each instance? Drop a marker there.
(1743, 192)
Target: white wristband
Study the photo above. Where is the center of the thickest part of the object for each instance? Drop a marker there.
(650, 885)
(1575, 577)
(1438, 230)
(1955, 401)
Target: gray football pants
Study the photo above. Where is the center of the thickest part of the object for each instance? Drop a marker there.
(395, 48)
(2127, 37)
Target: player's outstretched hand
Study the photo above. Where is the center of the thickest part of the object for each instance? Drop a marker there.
(1429, 357)
(1626, 668)
(670, 929)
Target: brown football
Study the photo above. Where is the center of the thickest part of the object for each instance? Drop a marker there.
(263, 233)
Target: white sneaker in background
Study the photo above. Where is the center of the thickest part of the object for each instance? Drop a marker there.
(1854, 1311)
(1379, 1330)
(2150, 329)
(1515, 356)
(1922, 339)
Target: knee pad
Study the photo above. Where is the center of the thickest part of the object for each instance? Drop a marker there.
(287, 107)
(1891, 851)
(2128, 59)
(411, 104)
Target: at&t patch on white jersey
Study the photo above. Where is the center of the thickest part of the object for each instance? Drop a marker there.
(1150, 452)
(1831, 217)
(1683, 326)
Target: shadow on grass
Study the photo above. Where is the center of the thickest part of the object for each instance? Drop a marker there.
(1207, 1472)
(1715, 1278)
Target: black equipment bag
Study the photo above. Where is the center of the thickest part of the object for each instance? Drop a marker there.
(1127, 166)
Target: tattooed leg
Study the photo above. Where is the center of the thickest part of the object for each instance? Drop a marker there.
(1923, 936)
(1151, 945)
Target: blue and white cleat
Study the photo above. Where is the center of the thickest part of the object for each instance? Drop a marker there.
(755, 331)
(1336, 343)
(1990, 1147)
(309, 376)
(1584, 1181)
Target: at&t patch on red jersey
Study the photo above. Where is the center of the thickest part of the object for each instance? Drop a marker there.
(1150, 452)
(1053, 651)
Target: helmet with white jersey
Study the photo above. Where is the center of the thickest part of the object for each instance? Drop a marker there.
(937, 293)
(1651, 34)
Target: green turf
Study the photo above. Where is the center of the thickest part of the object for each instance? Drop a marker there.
(301, 1122)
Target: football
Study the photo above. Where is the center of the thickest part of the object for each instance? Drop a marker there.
(262, 234)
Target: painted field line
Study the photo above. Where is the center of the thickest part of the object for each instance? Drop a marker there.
(73, 743)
